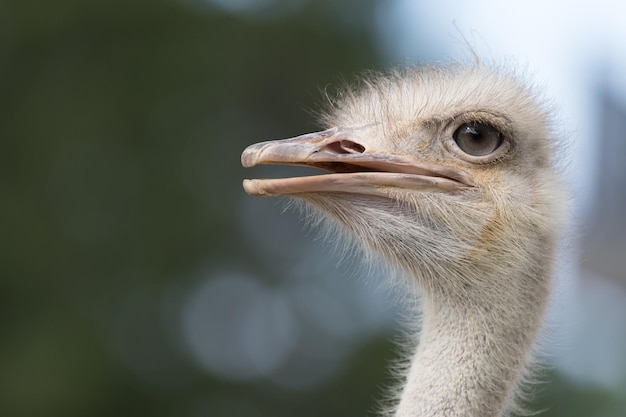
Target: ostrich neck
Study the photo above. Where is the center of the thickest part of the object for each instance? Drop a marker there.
(471, 355)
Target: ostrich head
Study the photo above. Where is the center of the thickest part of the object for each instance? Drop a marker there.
(447, 174)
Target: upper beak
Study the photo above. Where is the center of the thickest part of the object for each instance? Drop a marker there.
(357, 167)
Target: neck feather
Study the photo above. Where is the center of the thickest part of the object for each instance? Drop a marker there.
(471, 356)
(483, 279)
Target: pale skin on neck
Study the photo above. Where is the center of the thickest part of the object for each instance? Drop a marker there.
(472, 230)
(475, 344)
(461, 367)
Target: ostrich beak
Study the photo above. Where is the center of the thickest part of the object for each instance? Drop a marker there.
(355, 166)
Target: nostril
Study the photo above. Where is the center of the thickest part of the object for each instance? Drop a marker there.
(352, 147)
(344, 147)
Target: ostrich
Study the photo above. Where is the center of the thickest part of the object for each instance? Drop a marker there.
(444, 173)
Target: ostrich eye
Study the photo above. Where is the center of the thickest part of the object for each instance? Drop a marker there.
(477, 139)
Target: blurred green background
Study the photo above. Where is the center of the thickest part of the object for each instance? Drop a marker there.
(137, 278)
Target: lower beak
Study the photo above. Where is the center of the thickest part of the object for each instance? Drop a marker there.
(355, 167)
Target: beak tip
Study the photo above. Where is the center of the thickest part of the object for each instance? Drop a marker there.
(252, 155)
(252, 188)
(248, 158)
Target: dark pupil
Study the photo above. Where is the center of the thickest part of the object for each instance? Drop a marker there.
(477, 139)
